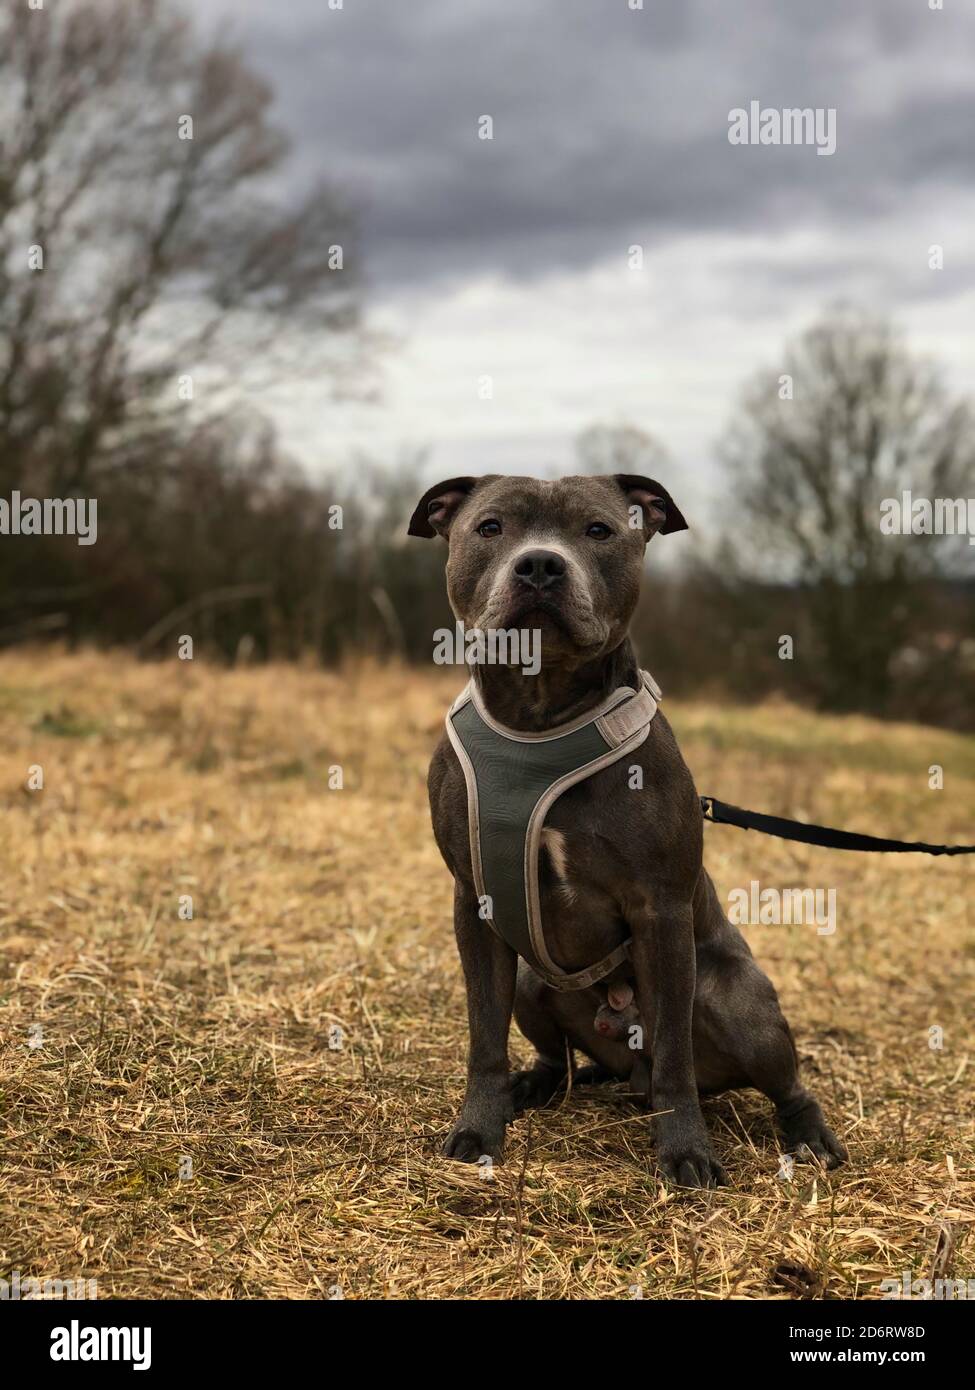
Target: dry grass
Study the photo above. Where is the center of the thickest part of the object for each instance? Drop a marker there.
(315, 1168)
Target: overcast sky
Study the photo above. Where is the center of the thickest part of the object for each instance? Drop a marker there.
(509, 257)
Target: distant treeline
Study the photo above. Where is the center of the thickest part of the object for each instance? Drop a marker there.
(226, 543)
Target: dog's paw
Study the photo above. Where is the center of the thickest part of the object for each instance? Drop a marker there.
(809, 1139)
(467, 1145)
(818, 1145)
(592, 1074)
(535, 1087)
(690, 1162)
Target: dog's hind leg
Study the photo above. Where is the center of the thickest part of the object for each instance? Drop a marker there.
(538, 1083)
(739, 1028)
(805, 1133)
(559, 1023)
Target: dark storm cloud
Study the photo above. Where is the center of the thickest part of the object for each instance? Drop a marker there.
(610, 124)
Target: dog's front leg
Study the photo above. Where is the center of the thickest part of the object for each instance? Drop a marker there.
(664, 966)
(489, 972)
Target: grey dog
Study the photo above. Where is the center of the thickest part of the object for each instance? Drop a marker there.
(565, 559)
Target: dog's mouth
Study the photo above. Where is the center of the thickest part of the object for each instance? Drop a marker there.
(564, 626)
(534, 606)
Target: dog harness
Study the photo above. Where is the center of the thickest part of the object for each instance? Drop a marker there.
(513, 778)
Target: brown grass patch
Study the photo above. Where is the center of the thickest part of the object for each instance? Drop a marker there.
(163, 1039)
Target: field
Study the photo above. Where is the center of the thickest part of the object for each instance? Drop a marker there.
(249, 1103)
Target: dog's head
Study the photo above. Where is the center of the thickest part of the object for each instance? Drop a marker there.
(565, 557)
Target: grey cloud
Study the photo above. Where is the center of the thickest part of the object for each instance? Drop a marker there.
(610, 124)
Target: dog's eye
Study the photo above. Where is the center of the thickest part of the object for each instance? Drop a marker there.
(599, 531)
(489, 528)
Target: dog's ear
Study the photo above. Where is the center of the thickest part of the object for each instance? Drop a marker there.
(660, 511)
(438, 506)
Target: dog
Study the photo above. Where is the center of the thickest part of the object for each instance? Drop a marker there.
(687, 1004)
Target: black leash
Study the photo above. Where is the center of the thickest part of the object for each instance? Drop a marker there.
(722, 814)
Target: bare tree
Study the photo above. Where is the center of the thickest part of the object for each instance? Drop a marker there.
(849, 420)
(619, 449)
(139, 244)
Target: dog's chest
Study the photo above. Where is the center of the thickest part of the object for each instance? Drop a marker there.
(580, 910)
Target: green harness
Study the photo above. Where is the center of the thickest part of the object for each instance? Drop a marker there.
(513, 778)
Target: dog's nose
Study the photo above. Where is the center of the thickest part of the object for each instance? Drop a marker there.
(540, 569)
